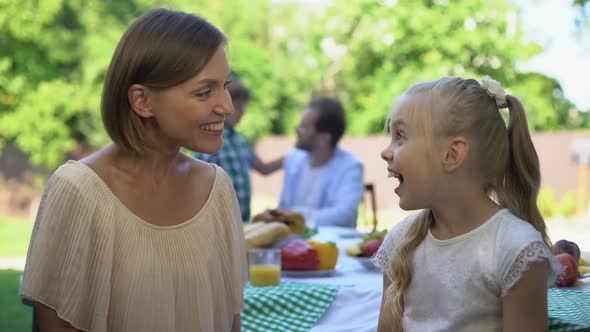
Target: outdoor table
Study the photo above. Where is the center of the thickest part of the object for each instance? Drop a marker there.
(353, 296)
(355, 306)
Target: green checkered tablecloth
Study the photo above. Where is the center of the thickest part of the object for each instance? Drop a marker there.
(296, 307)
(289, 307)
(569, 310)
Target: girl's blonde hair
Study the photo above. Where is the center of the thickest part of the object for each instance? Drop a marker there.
(503, 156)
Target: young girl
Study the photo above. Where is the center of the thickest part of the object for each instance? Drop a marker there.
(139, 236)
(477, 257)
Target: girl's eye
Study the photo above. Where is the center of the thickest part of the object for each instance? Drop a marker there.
(399, 136)
(226, 84)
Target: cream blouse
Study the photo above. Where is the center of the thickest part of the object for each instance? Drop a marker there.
(102, 268)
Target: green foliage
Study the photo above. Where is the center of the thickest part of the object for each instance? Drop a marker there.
(551, 207)
(54, 55)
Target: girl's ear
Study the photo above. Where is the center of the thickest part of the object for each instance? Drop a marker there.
(138, 99)
(456, 153)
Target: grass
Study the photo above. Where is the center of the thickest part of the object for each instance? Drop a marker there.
(14, 236)
(14, 315)
(14, 241)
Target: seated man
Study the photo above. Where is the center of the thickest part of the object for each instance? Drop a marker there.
(237, 157)
(322, 181)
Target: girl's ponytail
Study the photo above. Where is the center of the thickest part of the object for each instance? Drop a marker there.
(522, 178)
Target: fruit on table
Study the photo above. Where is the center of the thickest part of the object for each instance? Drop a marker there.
(299, 255)
(327, 252)
(368, 246)
(369, 249)
(354, 249)
(567, 247)
(262, 234)
(568, 276)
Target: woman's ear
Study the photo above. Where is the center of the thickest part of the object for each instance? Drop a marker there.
(456, 153)
(138, 99)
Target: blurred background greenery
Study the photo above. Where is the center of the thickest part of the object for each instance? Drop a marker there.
(54, 55)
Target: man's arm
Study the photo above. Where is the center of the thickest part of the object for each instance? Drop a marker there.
(524, 308)
(266, 168)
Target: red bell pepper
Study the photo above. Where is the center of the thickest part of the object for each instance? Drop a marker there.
(299, 255)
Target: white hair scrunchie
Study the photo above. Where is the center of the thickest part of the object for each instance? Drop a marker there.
(495, 91)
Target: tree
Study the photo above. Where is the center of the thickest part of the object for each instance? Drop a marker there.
(54, 55)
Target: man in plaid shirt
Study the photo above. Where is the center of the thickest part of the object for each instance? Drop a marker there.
(237, 156)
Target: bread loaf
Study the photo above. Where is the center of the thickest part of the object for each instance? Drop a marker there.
(264, 235)
(295, 221)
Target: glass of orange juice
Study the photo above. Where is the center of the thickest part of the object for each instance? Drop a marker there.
(264, 267)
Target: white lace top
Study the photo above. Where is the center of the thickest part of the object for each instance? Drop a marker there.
(458, 284)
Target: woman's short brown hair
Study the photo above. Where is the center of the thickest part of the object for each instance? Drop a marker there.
(161, 49)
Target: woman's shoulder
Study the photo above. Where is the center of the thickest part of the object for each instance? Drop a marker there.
(74, 176)
(207, 172)
(210, 175)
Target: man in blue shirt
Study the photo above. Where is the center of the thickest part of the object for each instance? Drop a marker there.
(322, 181)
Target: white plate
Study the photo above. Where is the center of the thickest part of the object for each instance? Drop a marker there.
(308, 274)
(366, 262)
(350, 234)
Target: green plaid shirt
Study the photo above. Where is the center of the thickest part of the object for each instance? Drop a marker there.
(235, 158)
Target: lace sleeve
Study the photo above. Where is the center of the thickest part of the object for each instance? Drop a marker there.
(391, 243)
(534, 252)
(382, 258)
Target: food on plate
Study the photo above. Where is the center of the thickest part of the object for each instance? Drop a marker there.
(354, 250)
(295, 221)
(264, 235)
(327, 252)
(368, 246)
(299, 255)
(568, 276)
(567, 247)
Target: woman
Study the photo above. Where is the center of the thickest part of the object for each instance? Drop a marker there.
(139, 236)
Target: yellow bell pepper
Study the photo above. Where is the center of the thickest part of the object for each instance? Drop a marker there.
(328, 253)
